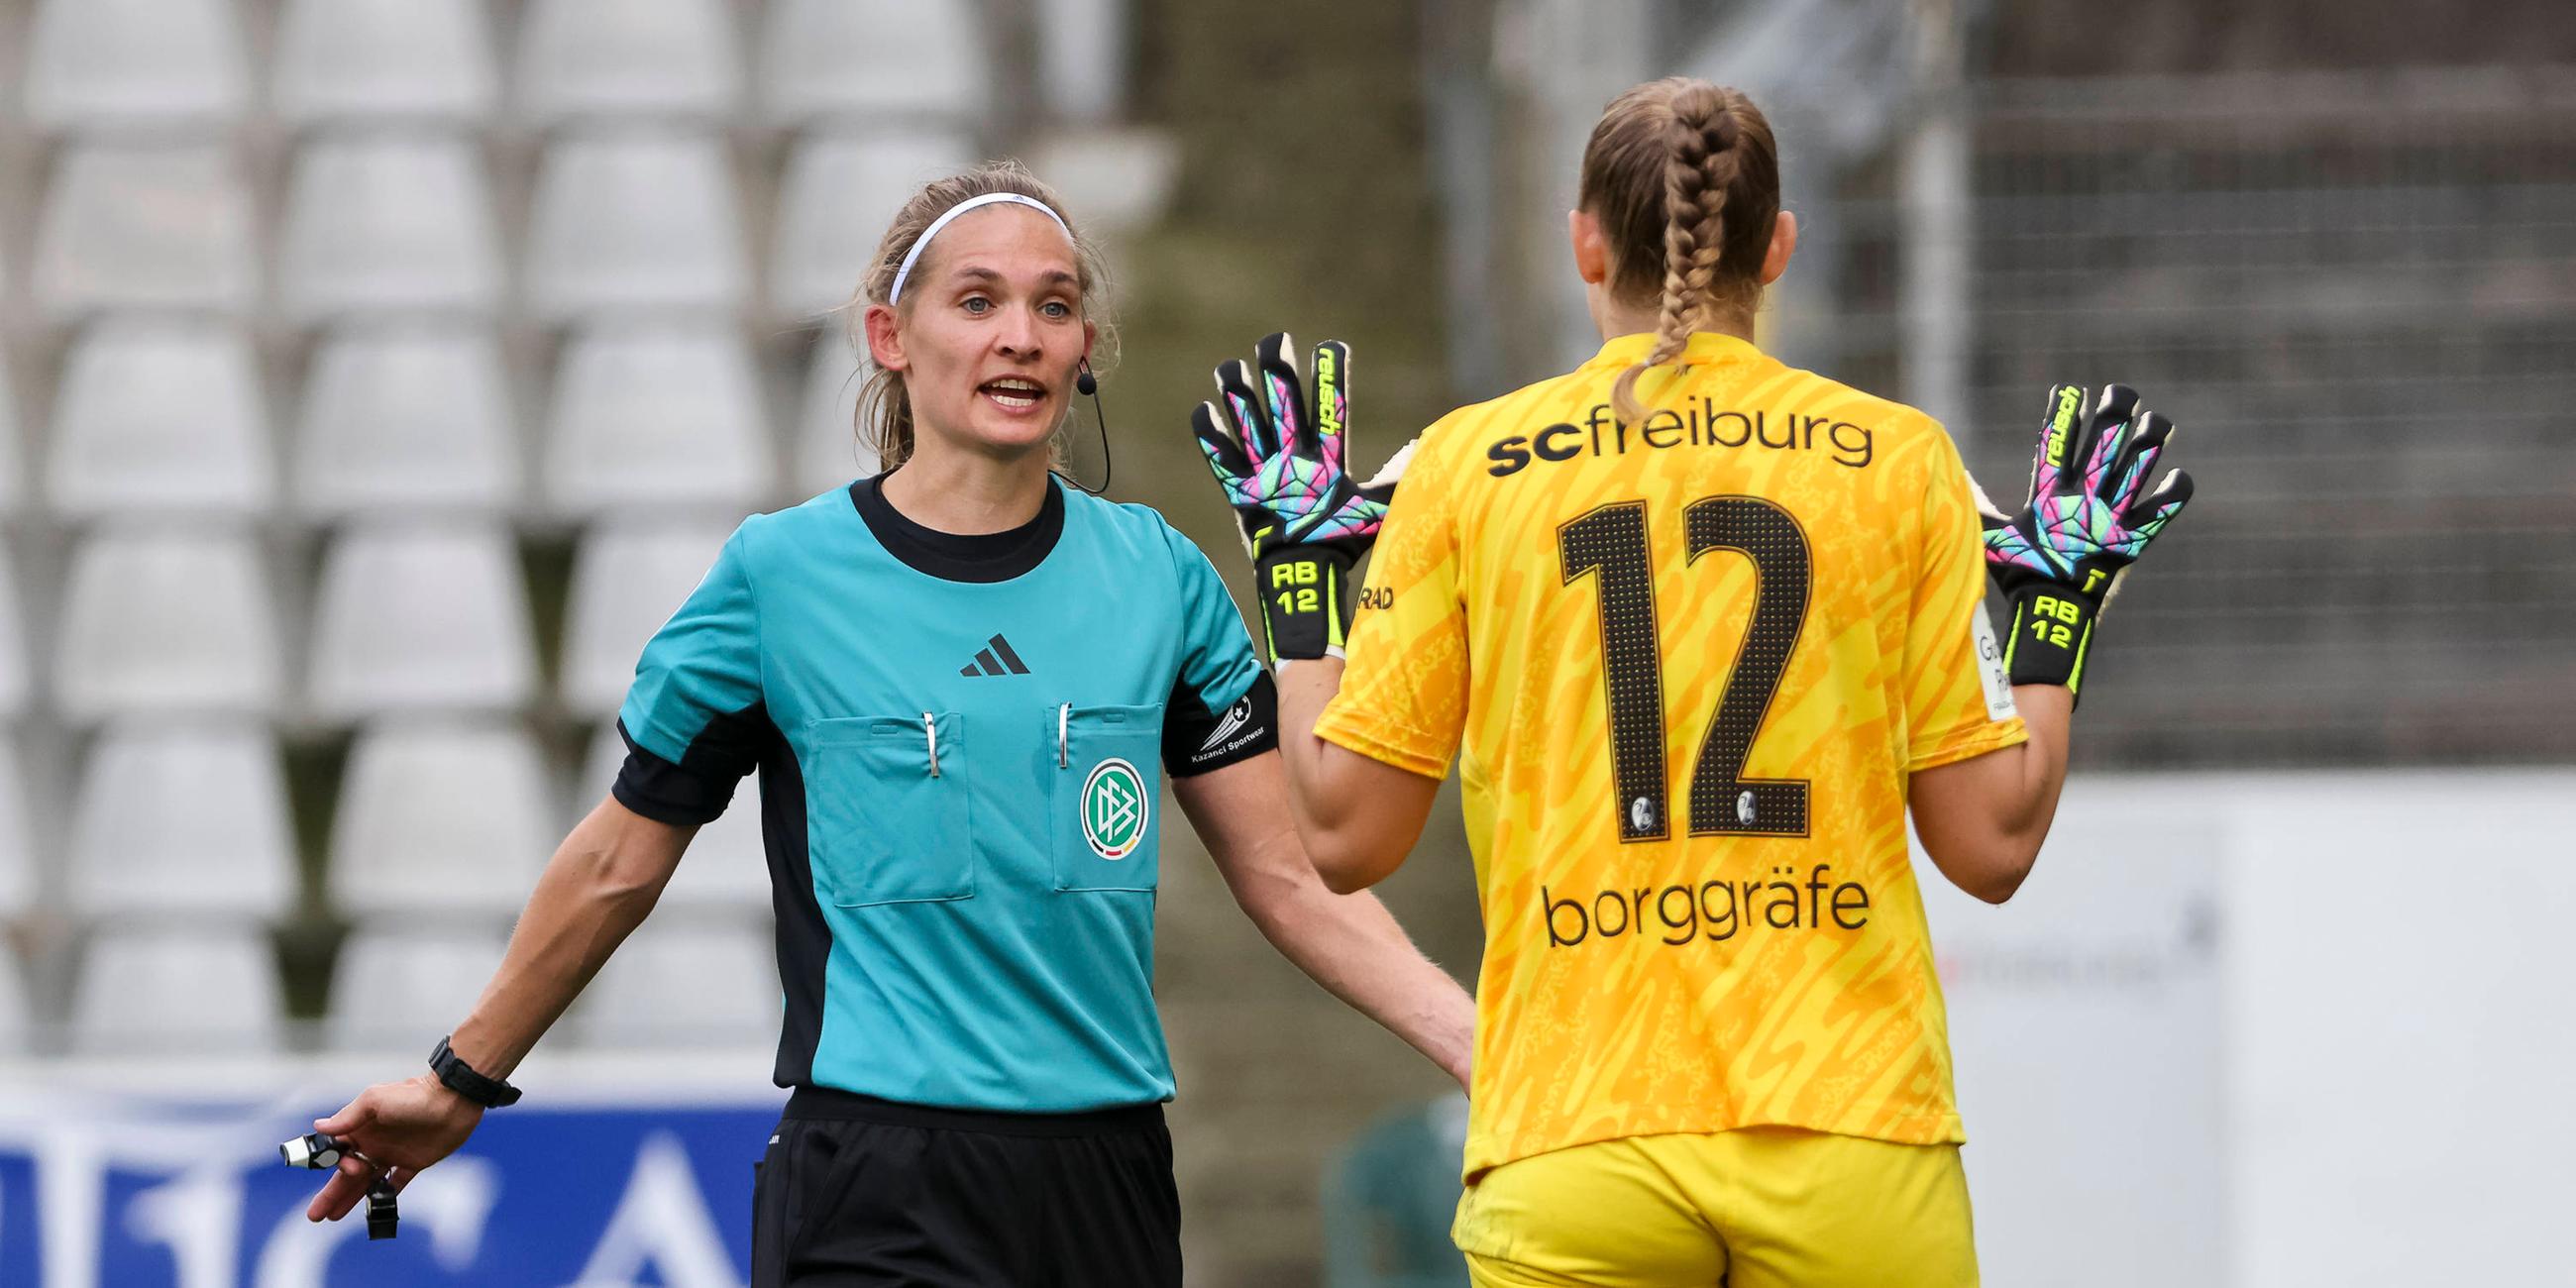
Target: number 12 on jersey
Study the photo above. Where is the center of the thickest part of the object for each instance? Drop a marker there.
(1610, 541)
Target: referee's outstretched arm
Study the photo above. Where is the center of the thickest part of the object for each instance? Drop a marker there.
(597, 889)
(1349, 943)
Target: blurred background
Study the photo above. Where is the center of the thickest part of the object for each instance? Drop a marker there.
(376, 375)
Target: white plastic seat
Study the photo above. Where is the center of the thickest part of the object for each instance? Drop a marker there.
(412, 59)
(634, 220)
(726, 867)
(872, 58)
(13, 643)
(407, 416)
(830, 451)
(627, 58)
(15, 1013)
(20, 882)
(629, 576)
(145, 227)
(441, 820)
(421, 618)
(1082, 64)
(184, 819)
(840, 190)
(679, 982)
(130, 62)
(179, 988)
(159, 621)
(160, 416)
(13, 467)
(375, 224)
(657, 415)
(396, 989)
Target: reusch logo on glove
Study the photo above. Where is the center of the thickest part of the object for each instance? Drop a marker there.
(1278, 456)
(2070, 404)
(1328, 393)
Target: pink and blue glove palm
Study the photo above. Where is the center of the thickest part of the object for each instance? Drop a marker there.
(1279, 454)
(2089, 516)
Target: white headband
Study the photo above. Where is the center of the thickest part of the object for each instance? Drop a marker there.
(960, 208)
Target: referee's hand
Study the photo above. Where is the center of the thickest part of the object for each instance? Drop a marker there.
(393, 1127)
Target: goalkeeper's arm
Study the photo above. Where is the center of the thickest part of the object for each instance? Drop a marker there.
(1982, 819)
(1277, 443)
(1358, 816)
(2090, 514)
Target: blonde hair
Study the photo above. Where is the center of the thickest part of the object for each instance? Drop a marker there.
(1685, 179)
(885, 402)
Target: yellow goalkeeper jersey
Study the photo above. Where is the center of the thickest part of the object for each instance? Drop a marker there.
(1686, 666)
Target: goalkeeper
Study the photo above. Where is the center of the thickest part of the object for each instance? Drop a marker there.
(1697, 656)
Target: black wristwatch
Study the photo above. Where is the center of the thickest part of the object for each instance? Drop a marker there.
(460, 1077)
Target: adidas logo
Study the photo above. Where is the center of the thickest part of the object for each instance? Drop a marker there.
(995, 658)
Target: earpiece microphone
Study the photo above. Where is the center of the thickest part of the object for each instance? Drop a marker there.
(1088, 384)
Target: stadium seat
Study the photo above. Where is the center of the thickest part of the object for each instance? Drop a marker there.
(14, 485)
(93, 63)
(20, 883)
(627, 58)
(882, 58)
(634, 220)
(726, 869)
(177, 988)
(840, 192)
(16, 1015)
(13, 642)
(441, 820)
(829, 449)
(412, 416)
(398, 989)
(679, 981)
(628, 578)
(158, 226)
(658, 415)
(182, 819)
(375, 224)
(426, 617)
(160, 416)
(1081, 48)
(373, 59)
(159, 621)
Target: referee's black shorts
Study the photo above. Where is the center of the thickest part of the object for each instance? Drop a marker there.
(856, 1192)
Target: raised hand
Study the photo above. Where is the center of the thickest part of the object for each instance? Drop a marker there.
(1279, 450)
(2089, 516)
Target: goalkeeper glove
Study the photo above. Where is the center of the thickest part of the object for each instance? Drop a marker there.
(1279, 456)
(2088, 518)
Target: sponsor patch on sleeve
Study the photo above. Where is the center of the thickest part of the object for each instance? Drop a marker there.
(1990, 668)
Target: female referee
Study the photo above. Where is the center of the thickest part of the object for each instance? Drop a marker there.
(1700, 629)
(961, 682)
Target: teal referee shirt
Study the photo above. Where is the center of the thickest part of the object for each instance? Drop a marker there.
(961, 743)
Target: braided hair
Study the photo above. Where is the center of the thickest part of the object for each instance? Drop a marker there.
(1668, 164)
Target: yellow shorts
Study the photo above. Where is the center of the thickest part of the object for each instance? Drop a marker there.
(1755, 1208)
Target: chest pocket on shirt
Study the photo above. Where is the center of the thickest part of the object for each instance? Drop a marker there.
(1103, 813)
(886, 806)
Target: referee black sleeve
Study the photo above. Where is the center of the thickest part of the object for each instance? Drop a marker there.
(1196, 740)
(695, 789)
